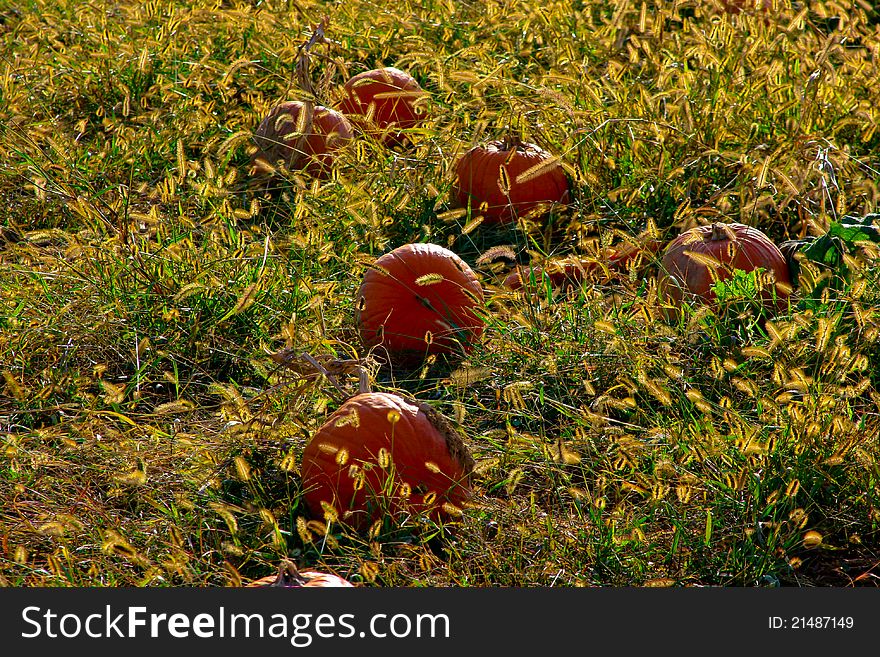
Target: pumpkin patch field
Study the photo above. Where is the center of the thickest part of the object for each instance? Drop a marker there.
(444, 293)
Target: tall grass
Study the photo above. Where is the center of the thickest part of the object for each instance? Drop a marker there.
(148, 437)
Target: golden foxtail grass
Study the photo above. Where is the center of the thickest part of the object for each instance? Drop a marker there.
(147, 435)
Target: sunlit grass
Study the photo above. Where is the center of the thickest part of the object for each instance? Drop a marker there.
(146, 278)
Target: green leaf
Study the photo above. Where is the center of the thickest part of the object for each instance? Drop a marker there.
(854, 230)
(827, 250)
(741, 285)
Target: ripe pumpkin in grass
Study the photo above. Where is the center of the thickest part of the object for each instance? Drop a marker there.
(301, 136)
(508, 178)
(703, 255)
(419, 299)
(386, 101)
(570, 272)
(379, 454)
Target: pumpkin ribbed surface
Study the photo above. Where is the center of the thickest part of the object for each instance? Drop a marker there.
(288, 135)
(419, 299)
(379, 454)
(385, 100)
(506, 179)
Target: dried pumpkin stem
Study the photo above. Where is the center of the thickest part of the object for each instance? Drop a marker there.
(511, 142)
(363, 380)
(289, 576)
(454, 442)
(323, 370)
(718, 233)
(303, 80)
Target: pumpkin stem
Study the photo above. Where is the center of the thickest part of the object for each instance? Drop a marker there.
(719, 232)
(363, 380)
(323, 370)
(304, 59)
(331, 369)
(511, 142)
(289, 576)
(303, 79)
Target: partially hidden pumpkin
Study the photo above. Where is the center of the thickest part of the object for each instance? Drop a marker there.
(301, 136)
(290, 577)
(572, 271)
(385, 101)
(509, 178)
(790, 250)
(419, 299)
(382, 455)
(698, 258)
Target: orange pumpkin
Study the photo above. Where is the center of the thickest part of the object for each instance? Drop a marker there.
(301, 137)
(386, 101)
(290, 577)
(508, 178)
(419, 299)
(379, 454)
(699, 257)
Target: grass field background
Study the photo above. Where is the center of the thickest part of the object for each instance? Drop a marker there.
(148, 438)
